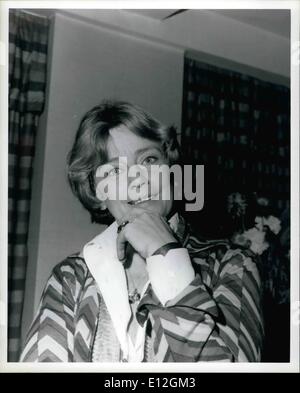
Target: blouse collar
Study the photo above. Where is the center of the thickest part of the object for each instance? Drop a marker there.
(100, 255)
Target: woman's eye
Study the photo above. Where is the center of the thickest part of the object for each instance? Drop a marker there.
(150, 160)
(113, 172)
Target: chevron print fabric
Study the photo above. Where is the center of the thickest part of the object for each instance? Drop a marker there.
(217, 317)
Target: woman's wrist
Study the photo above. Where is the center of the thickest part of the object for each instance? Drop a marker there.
(170, 274)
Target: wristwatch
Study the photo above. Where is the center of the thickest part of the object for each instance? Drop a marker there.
(166, 248)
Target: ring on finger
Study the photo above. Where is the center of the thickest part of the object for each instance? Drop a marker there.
(122, 225)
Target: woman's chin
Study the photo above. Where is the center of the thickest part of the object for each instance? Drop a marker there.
(158, 206)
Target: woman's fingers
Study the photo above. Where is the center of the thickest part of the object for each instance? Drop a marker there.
(145, 230)
(121, 245)
(133, 213)
(129, 217)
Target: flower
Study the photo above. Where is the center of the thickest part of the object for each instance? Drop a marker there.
(259, 223)
(236, 204)
(257, 238)
(262, 201)
(254, 237)
(240, 240)
(273, 223)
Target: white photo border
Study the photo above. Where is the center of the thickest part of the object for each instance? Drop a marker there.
(293, 365)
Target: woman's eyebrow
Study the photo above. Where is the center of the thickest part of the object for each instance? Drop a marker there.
(144, 149)
(136, 153)
(112, 160)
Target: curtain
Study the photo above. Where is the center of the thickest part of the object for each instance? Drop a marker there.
(238, 126)
(28, 37)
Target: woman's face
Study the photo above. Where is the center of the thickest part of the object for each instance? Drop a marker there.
(125, 186)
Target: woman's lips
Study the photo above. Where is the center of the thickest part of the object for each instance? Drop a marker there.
(137, 202)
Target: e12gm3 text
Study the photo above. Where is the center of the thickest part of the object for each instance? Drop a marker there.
(174, 382)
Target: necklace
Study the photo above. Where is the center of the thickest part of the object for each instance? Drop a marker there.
(137, 277)
(133, 295)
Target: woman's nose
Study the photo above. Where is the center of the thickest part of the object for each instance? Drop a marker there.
(138, 188)
(137, 184)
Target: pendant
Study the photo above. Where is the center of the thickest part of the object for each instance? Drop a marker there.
(134, 297)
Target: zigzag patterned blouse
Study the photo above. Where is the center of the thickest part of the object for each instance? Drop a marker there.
(217, 317)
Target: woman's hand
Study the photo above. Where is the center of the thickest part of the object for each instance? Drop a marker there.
(146, 232)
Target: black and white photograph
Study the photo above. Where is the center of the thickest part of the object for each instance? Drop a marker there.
(152, 204)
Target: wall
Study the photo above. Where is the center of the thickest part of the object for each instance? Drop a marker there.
(87, 63)
(98, 54)
(208, 33)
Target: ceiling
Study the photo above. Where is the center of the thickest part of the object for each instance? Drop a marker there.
(276, 21)
(273, 20)
(153, 13)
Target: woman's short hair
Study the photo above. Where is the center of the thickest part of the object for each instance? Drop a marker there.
(89, 150)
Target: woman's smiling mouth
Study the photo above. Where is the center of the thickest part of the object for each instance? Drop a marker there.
(140, 201)
(145, 199)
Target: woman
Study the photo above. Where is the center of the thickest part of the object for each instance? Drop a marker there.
(145, 289)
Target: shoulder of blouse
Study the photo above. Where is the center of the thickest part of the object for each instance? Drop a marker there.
(73, 273)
